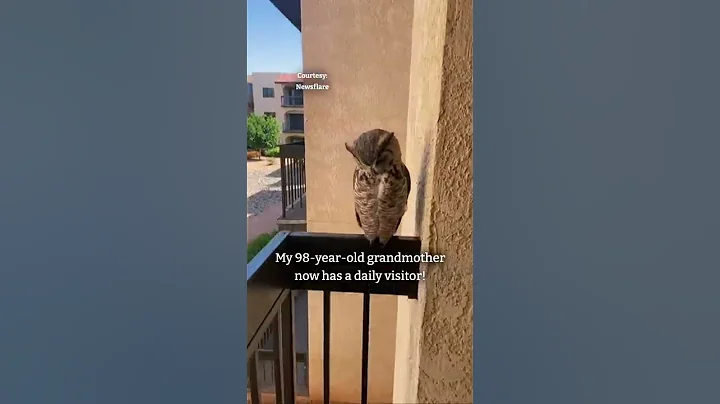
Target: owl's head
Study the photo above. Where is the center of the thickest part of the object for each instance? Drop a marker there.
(375, 150)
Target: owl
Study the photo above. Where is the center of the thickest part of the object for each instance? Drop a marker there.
(381, 182)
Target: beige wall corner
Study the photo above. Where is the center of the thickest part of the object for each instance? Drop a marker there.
(365, 50)
(434, 334)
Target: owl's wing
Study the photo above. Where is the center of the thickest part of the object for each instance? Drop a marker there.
(357, 216)
(406, 174)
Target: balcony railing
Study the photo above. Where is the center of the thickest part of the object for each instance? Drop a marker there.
(270, 287)
(291, 100)
(292, 176)
(288, 128)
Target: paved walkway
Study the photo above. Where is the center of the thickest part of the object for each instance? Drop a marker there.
(264, 200)
(265, 222)
(263, 184)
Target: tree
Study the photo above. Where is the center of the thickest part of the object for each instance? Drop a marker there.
(262, 132)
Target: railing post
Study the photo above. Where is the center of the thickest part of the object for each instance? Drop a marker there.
(252, 373)
(303, 181)
(289, 364)
(284, 350)
(365, 349)
(326, 347)
(283, 182)
(293, 183)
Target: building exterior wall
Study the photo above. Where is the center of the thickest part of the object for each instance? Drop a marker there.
(434, 354)
(265, 105)
(289, 137)
(369, 89)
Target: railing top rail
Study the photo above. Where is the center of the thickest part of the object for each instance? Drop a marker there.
(262, 296)
(266, 255)
(268, 270)
(292, 100)
(293, 150)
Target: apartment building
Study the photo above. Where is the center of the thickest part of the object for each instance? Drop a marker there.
(274, 94)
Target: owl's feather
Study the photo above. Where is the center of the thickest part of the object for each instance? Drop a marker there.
(405, 174)
(381, 183)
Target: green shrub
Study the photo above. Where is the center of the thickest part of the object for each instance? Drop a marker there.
(262, 132)
(255, 246)
(274, 152)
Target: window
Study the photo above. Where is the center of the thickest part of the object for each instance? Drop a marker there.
(268, 92)
(272, 114)
(296, 121)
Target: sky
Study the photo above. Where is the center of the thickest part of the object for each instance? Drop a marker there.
(273, 43)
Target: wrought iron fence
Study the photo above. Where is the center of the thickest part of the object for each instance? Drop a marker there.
(292, 175)
(291, 100)
(271, 317)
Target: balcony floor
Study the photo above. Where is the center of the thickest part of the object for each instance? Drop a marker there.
(269, 398)
(296, 215)
(298, 211)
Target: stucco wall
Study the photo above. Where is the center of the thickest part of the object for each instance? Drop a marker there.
(366, 53)
(263, 105)
(434, 334)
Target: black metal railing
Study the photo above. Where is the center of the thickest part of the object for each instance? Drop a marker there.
(271, 284)
(292, 175)
(266, 355)
(294, 128)
(291, 100)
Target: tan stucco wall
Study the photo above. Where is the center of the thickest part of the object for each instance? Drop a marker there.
(263, 105)
(366, 53)
(434, 333)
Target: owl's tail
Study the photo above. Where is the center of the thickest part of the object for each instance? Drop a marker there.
(373, 241)
(384, 243)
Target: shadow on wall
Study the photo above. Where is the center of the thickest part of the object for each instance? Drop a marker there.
(422, 189)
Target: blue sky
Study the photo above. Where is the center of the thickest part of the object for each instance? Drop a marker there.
(273, 43)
